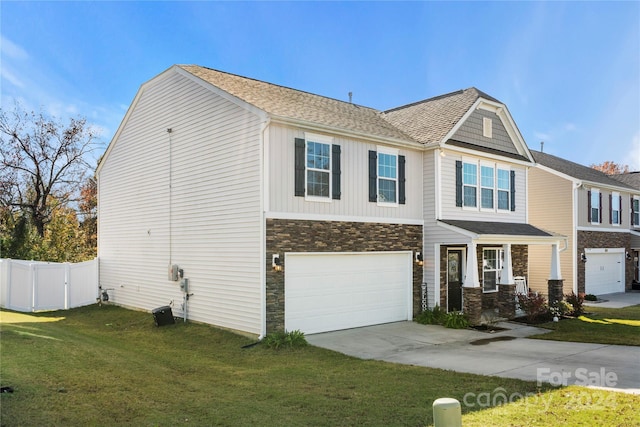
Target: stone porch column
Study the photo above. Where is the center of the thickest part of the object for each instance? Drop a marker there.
(471, 290)
(555, 282)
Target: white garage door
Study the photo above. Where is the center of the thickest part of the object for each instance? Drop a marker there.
(332, 291)
(604, 273)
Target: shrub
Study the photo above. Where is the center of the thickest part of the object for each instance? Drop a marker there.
(456, 320)
(576, 302)
(590, 297)
(534, 305)
(284, 339)
(435, 316)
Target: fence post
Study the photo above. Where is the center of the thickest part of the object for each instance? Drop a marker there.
(32, 278)
(447, 413)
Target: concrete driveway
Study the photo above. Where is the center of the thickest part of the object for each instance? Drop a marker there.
(505, 354)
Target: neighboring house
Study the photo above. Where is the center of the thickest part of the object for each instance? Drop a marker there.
(633, 179)
(475, 201)
(232, 179)
(289, 210)
(597, 212)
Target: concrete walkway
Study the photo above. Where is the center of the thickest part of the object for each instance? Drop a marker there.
(505, 354)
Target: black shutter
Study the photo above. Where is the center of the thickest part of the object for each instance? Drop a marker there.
(402, 178)
(373, 176)
(631, 205)
(513, 191)
(299, 167)
(589, 206)
(600, 209)
(335, 172)
(458, 183)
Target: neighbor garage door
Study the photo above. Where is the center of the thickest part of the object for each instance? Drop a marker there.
(332, 291)
(604, 273)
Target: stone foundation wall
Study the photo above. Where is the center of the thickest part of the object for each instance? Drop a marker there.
(599, 239)
(286, 235)
(472, 304)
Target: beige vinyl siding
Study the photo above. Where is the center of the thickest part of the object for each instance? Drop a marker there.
(583, 200)
(354, 200)
(448, 196)
(551, 209)
(206, 218)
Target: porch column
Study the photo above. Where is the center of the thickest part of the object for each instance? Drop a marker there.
(506, 275)
(471, 278)
(555, 283)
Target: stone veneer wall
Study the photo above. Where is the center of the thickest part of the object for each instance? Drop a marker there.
(288, 235)
(599, 239)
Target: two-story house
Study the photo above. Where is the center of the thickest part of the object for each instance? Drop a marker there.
(257, 207)
(282, 208)
(476, 232)
(633, 179)
(599, 214)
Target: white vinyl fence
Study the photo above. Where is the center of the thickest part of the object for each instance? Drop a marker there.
(33, 286)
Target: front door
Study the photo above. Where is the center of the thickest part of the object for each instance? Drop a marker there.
(454, 280)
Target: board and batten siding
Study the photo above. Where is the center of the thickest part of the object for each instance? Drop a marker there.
(354, 202)
(551, 202)
(448, 192)
(199, 208)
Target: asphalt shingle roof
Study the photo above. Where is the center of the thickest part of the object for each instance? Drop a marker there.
(294, 104)
(499, 228)
(430, 120)
(576, 170)
(631, 178)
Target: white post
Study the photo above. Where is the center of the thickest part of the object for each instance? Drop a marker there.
(471, 278)
(506, 275)
(555, 273)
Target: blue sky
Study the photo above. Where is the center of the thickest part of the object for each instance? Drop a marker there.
(569, 72)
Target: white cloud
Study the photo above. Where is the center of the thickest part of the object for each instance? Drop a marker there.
(9, 48)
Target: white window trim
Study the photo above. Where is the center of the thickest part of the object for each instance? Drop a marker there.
(635, 223)
(492, 166)
(614, 196)
(322, 139)
(390, 152)
(508, 170)
(478, 202)
(499, 258)
(595, 220)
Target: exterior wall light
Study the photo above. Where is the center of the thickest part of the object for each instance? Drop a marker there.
(583, 257)
(276, 263)
(628, 256)
(419, 259)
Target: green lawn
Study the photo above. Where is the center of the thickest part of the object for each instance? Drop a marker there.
(111, 366)
(599, 325)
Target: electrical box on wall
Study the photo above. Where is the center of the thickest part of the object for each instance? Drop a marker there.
(184, 285)
(174, 272)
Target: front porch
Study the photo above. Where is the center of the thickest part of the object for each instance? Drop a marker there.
(499, 252)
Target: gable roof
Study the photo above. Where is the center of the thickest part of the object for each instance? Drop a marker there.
(630, 178)
(283, 102)
(576, 170)
(430, 120)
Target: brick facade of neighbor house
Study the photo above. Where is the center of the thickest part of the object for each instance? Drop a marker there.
(485, 300)
(288, 235)
(599, 239)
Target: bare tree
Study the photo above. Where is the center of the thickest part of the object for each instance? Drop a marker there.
(611, 168)
(41, 157)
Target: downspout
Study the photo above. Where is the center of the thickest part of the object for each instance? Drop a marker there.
(264, 202)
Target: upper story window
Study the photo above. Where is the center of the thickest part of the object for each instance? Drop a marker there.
(504, 189)
(317, 168)
(635, 211)
(387, 177)
(595, 204)
(470, 184)
(496, 189)
(486, 187)
(615, 207)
